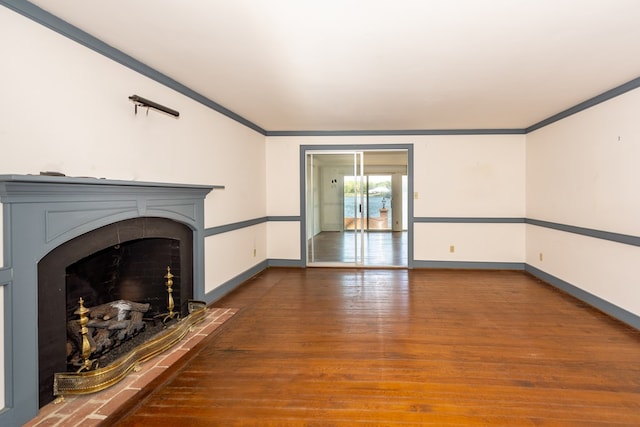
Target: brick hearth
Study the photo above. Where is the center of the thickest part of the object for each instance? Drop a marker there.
(92, 409)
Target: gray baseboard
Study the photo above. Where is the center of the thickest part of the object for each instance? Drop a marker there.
(232, 284)
(286, 263)
(612, 310)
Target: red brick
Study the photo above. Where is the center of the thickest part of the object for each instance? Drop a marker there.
(116, 401)
(210, 328)
(171, 358)
(108, 394)
(44, 421)
(71, 404)
(81, 413)
(49, 409)
(226, 316)
(146, 377)
(89, 421)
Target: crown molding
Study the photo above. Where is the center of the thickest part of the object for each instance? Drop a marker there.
(41, 16)
(62, 27)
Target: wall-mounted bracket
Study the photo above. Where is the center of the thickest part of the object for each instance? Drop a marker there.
(142, 102)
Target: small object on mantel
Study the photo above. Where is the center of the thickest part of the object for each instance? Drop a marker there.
(52, 173)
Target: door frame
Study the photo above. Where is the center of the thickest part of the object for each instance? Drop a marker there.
(358, 232)
(351, 148)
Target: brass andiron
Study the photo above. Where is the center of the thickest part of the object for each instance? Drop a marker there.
(91, 378)
(87, 364)
(65, 383)
(171, 314)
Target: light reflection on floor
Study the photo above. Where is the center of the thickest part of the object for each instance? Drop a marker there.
(380, 248)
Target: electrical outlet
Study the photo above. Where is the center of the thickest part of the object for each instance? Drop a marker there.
(541, 258)
(254, 252)
(452, 249)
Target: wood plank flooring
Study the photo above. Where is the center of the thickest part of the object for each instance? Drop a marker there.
(340, 347)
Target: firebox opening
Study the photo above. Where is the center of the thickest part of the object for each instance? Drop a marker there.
(124, 287)
(132, 271)
(126, 261)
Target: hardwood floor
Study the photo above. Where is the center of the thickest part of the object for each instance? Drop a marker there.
(339, 347)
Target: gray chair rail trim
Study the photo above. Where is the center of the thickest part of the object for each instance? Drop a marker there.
(284, 218)
(471, 265)
(468, 220)
(212, 231)
(6, 276)
(626, 239)
(589, 232)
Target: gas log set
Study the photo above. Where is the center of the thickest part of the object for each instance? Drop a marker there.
(101, 329)
(102, 346)
(108, 326)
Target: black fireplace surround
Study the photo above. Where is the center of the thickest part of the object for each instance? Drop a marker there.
(42, 213)
(126, 260)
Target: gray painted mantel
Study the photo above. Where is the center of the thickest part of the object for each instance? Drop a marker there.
(42, 212)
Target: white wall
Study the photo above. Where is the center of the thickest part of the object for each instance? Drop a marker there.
(491, 243)
(470, 176)
(583, 171)
(602, 268)
(234, 252)
(65, 108)
(280, 235)
(454, 176)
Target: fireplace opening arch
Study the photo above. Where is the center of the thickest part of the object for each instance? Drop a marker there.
(123, 260)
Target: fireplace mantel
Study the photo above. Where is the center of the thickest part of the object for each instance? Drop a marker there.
(40, 212)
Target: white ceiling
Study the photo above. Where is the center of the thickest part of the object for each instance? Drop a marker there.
(377, 64)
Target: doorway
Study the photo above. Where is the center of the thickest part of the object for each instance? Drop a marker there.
(356, 204)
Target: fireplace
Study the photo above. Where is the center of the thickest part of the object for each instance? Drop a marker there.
(51, 226)
(124, 261)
